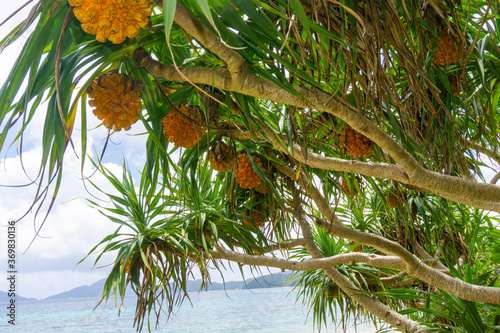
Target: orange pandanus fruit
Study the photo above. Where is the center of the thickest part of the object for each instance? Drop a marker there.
(259, 218)
(394, 200)
(126, 267)
(263, 188)
(184, 127)
(350, 186)
(354, 143)
(222, 157)
(116, 100)
(112, 19)
(448, 49)
(245, 175)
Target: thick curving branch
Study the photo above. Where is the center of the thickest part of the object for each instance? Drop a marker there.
(436, 262)
(381, 170)
(486, 196)
(239, 79)
(375, 307)
(414, 266)
(310, 264)
(189, 23)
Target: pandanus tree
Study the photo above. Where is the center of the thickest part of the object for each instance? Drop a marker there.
(344, 140)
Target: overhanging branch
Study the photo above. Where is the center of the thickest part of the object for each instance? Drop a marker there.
(372, 305)
(486, 196)
(310, 264)
(416, 267)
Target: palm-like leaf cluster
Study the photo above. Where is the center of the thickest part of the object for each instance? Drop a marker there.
(285, 80)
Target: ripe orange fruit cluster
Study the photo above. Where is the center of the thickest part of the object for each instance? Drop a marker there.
(116, 100)
(181, 129)
(244, 174)
(112, 19)
(221, 157)
(357, 248)
(353, 186)
(355, 144)
(259, 218)
(448, 49)
(394, 200)
(126, 267)
(333, 291)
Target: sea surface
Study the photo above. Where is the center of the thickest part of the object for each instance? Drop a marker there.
(257, 310)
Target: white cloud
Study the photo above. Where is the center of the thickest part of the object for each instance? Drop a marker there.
(72, 228)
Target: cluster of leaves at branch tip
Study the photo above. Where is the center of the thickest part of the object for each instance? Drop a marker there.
(116, 100)
(112, 20)
(183, 126)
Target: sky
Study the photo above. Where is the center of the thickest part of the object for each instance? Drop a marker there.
(72, 228)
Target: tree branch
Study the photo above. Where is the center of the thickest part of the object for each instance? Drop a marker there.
(234, 61)
(242, 81)
(451, 187)
(416, 267)
(310, 264)
(375, 307)
(380, 170)
(421, 251)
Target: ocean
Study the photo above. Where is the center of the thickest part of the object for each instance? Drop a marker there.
(257, 310)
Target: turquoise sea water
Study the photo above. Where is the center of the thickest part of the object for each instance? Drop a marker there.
(258, 310)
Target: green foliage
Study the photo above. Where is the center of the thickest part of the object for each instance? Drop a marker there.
(372, 60)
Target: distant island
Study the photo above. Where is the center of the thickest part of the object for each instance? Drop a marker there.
(275, 280)
(4, 297)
